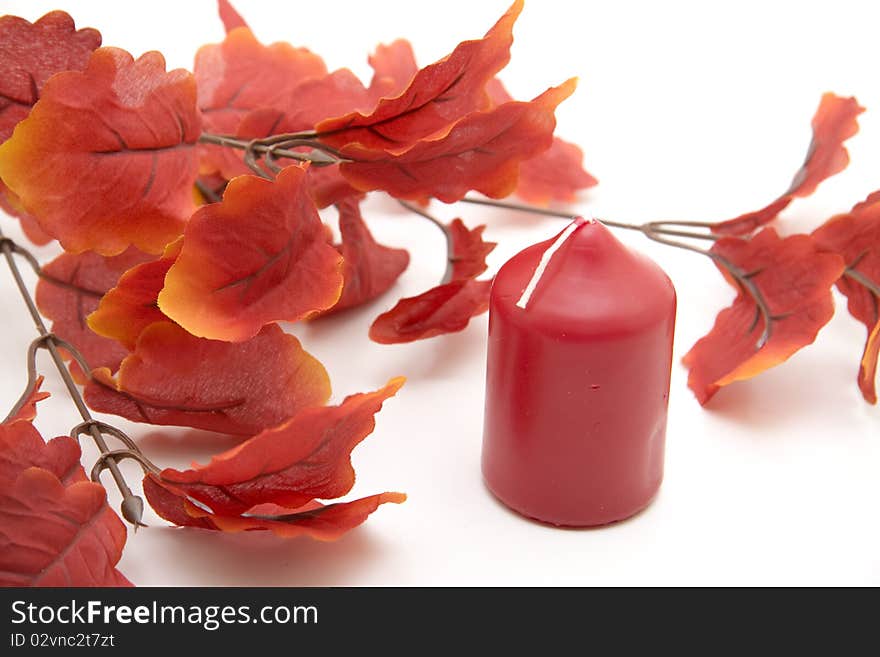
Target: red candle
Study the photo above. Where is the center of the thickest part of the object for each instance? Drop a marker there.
(580, 352)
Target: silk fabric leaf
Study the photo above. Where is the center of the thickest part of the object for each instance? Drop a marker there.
(259, 256)
(241, 388)
(795, 279)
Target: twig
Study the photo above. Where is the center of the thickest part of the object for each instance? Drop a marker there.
(450, 247)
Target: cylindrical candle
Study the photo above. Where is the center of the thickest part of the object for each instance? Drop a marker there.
(580, 353)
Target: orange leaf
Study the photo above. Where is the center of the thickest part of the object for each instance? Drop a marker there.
(10, 204)
(856, 237)
(469, 250)
(554, 175)
(315, 520)
(259, 256)
(123, 180)
(28, 410)
(305, 458)
(132, 305)
(795, 278)
(52, 535)
(438, 95)
(239, 75)
(481, 152)
(394, 66)
(31, 54)
(174, 378)
(369, 268)
(444, 309)
(84, 279)
(834, 123)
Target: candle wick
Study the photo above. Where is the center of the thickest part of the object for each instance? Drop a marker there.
(545, 260)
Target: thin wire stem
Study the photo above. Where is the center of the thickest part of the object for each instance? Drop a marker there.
(450, 247)
(851, 273)
(132, 505)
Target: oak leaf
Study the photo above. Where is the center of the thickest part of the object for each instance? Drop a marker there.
(257, 257)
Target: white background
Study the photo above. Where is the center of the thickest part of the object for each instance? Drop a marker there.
(686, 110)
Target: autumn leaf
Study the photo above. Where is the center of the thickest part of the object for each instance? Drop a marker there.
(394, 67)
(439, 94)
(369, 269)
(557, 174)
(305, 458)
(855, 236)
(71, 289)
(132, 304)
(259, 256)
(315, 520)
(481, 152)
(175, 378)
(469, 250)
(229, 16)
(10, 204)
(834, 123)
(28, 408)
(52, 535)
(30, 53)
(122, 179)
(240, 75)
(444, 309)
(794, 279)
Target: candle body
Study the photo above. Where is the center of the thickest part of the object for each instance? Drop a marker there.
(578, 381)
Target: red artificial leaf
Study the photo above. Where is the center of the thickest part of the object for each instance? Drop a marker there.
(369, 269)
(328, 187)
(71, 289)
(469, 250)
(259, 256)
(230, 17)
(834, 123)
(795, 278)
(28, 409)
(240, 75)
(174, 378)
(10, 204)
(52, 535)
(856, 237)
(394, 67)
(438, 95)
(554, 175)
(481, 152)
(315, 520)
(132, 305)
(30, 54)
(122, 180)
(305, 458)
(444, 309)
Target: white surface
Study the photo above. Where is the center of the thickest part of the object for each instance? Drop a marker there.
(686, 110)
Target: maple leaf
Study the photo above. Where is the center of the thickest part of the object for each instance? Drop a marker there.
(30, 53)
(833, 123)
(305, 458)
(124, 179)
(856, 237)
(52, 535)
(794, 279)
(71, 288)
(554, 175)
(437, 96)
(315, 520)
(370, 269)
(132, 304)
(239, 75)
(481, 152)
(175, 378)
(259, 256)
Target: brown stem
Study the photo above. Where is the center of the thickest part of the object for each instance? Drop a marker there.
(450, 247)
(132, 505)
(853, 274)
(277, 146)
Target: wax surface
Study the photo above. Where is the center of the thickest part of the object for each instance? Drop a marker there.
(578, 381)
